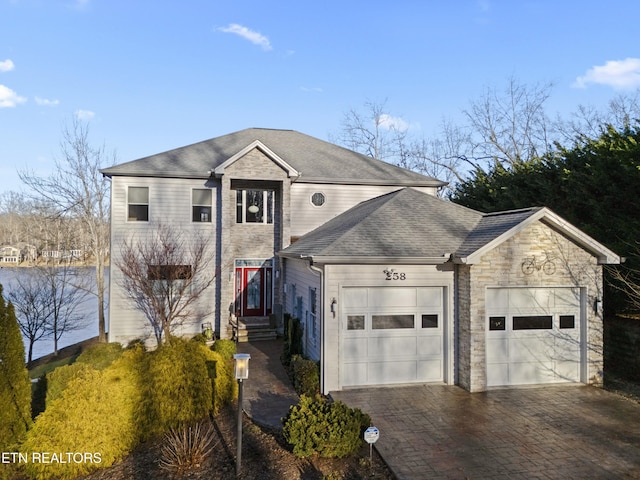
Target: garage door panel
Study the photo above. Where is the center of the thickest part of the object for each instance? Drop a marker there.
(355, 348)
(498, 374)
(353, 373)
(529, 373)
(430, 370)
(530, 349)
(430, 297)
(568, 370)
(431, 345)
(497, 350)
(392, 297)
(389, 347)
(380, 373)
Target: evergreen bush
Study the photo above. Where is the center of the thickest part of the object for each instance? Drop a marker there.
(57, 380)
(306, 376)
(331, 430)
(220, 369)
(93, 423)
(227, 348)
(101, 355)
(177, 387)
(15, 385)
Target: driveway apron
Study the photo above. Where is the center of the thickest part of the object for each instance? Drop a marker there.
(551, 432)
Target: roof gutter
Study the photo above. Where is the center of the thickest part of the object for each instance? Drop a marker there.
(367, 260)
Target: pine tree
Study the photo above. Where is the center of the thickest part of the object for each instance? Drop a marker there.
(15, 386)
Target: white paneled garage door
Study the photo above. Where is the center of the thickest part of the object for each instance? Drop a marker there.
(391, 335)
(533, 335)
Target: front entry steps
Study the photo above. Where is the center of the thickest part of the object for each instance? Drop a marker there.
(251, 329)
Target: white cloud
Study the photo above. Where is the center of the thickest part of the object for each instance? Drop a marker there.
(6, 65)
(618, 74)
(392, 123)
(9, 98)
(254, 37)
(85, 114)
(46, 102)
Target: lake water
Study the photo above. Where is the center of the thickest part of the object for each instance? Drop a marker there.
(89, 309)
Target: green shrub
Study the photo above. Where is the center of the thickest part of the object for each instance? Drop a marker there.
(293, 339)
(15, 386)
(329, 429)
(220, 369)
(95, 416)
(58, 379)
(227, 348)
(101, 355)
(177, 387)
(306, 376)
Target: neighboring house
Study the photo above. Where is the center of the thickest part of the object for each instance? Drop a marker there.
(10, 254)
(392, 285)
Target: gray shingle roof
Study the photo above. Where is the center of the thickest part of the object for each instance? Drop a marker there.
(404, 223)
(316, 160)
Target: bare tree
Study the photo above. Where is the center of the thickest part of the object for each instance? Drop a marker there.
(78, 190)
(66, 290)
(30, 299)
(165, 274)
(374, 133)
(510, 126)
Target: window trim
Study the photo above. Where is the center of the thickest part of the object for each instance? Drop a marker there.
(129, 203)
(324, 199)
(194, 205)
(268, 212)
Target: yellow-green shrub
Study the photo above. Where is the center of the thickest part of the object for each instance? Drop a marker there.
(306, 376)
(57, 380)
(220, 369)
(96, 414)
(227, 348)
(100, 355)
(177, 387)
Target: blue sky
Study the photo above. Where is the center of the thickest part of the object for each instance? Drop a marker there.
(149, 76)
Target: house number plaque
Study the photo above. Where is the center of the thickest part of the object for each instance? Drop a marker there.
(391, 274)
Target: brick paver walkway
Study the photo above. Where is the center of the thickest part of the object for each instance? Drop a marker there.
(557, 432)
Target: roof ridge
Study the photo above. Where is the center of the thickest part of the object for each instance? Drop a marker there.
(511, 212)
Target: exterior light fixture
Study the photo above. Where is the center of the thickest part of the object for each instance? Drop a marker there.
(241, 373)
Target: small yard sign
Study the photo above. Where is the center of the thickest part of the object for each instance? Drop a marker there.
(371, 435)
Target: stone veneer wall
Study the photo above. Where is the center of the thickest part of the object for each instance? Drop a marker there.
(503, 267)
(252, 240)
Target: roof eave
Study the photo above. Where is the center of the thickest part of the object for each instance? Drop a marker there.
(367, 260)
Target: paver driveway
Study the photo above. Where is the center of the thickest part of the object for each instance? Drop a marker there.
(556, 432)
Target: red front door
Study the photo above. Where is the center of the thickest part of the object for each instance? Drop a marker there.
(253, 291)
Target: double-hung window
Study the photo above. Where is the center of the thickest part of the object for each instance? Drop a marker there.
(201, 205)
(254, 206)
(138, 204)
(313, 311)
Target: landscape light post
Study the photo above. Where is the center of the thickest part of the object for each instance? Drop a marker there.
(241, 373)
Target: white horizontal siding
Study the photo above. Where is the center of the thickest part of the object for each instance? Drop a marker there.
(338, 198)
(299, 279)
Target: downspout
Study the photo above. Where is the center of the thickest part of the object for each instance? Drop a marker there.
(320, 273)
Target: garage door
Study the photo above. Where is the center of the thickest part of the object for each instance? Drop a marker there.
(533, 335)
(391, 335)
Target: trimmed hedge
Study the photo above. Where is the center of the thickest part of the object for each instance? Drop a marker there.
(227, 348)
(331, 430)
(96, 415)
(106, 413)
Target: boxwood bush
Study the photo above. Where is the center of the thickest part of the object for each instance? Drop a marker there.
(329, 429)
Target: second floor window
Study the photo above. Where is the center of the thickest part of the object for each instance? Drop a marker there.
(138, 204)
(201, 205)
(254, 206)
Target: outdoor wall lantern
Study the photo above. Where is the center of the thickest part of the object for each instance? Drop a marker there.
(241, 373)
(334, 306)
(597, 305)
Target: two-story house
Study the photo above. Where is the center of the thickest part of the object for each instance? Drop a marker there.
(392, 284)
